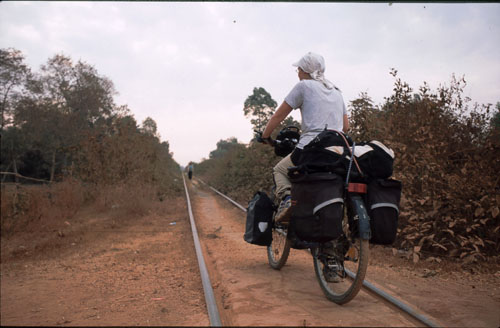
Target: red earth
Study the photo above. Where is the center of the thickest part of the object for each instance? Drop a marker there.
(112, 269)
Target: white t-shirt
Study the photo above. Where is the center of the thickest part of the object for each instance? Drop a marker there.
(319, 107)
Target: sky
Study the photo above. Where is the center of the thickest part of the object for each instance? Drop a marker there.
(190, 66)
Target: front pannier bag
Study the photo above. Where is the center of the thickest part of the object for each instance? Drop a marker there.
(259, 220)
(317, 206)
(383, 198)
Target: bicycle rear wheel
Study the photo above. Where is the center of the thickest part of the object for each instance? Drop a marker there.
(278, 251)
(348, 260)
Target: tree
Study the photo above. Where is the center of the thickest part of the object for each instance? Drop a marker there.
(149, 127)
(223, 146)
(364, 118)
(78, 90)
(260, 106)
(62, 105)
(13, 75)
(289, 121)
(495, 121)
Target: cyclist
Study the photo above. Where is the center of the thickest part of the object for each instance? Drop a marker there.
(190, 170)
(321, 106)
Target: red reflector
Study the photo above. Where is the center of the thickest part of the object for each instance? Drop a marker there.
(357, 187)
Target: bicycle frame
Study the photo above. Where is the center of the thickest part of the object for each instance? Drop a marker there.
(361, 215)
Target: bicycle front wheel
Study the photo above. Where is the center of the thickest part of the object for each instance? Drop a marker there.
(341, 273)
(278, 251)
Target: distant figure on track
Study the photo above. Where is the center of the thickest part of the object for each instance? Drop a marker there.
(321, 105)
(190, 170)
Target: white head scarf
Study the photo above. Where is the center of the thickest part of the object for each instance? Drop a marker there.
(314, 64)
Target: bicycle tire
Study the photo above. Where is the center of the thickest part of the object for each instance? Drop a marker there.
(344, 291)
(278, 251)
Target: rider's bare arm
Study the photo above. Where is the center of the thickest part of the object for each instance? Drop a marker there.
(346, 124)
(280, 114)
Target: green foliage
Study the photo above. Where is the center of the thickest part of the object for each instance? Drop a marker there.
(149, 127)
(241, 171)
(13, 76)
(64, 122)
(495, 121)
(289, 121)
(260, 106)
(223, 146)
(363, 122)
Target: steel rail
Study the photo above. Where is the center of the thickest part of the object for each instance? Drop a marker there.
(221, 194)
(213, 312)
(377, 291)
(399, 304)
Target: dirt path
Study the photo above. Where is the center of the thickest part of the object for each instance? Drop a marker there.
(254, 294)
(105, 272)
(114, 269)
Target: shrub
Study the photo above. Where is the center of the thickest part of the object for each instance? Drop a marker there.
(33, 207)
(446, 156)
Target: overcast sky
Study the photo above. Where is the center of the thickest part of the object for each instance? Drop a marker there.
(190, 66)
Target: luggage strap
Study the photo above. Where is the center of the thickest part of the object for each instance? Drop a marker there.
(351, 151)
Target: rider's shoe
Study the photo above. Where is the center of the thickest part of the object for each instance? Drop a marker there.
(284, 210)
(331, 275)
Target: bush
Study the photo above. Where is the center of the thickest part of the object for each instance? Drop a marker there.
(241, 172)
(446, 156)
(29, 207)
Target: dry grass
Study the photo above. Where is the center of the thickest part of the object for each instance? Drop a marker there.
(130, 199)
(446, 157)
(24, 207)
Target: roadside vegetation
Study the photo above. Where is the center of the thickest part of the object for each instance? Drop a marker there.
(447, 156)
(62, 129)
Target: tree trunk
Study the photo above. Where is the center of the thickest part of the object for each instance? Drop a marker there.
(4, 103)
(16, 190)
(53, 168)
(15, 170)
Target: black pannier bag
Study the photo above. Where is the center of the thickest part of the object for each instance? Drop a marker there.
(326, 153)
(317, 206)
(375, 159)
(382, 200)
(259, 220)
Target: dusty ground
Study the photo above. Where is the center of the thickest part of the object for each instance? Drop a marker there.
(105, 269)
(254, 294)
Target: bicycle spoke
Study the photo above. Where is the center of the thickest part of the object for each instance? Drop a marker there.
(277, 252)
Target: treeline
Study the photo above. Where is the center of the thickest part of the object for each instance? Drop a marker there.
(447, 156)
(238, 169)
(61, 122)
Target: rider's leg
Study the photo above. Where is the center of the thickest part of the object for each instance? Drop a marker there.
(283, 184)
(280, 173)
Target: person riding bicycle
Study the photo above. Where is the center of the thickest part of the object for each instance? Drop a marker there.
(190, 170)
(321, 106)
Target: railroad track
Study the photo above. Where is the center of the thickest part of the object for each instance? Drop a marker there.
(214, 313)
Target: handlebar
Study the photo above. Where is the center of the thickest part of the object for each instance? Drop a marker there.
(270, 141)
(284, 143)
